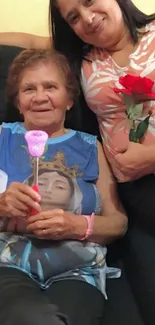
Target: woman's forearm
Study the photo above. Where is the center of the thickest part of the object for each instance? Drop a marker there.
(150, 153)
(16, 39)
(106, 228)
(25, 40)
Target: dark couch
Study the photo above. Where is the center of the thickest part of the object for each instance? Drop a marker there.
(131, 298)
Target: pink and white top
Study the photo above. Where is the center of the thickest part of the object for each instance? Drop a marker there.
(100, 76)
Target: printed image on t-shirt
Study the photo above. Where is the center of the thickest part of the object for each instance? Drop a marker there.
(58, 186)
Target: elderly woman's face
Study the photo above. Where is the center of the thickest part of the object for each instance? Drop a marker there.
(42, 96)
(96, 22)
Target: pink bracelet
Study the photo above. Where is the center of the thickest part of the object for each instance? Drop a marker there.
(90, 226)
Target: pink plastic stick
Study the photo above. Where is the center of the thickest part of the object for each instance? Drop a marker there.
(36, 141)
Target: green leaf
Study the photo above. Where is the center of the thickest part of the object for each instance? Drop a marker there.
(132, 136)
(129, 101)
(142, 128)
(135, 111)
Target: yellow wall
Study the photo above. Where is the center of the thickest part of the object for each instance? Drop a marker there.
(31, 16)
(147, 6)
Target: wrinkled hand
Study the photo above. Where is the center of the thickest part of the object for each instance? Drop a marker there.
(17, 201)
(17, 225)
(57, 224)
(134, 160)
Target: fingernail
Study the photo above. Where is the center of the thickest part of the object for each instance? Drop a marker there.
(37, 206)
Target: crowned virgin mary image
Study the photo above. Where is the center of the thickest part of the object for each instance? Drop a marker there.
(57, 185)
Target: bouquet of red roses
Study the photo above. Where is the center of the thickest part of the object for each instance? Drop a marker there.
(136, 91)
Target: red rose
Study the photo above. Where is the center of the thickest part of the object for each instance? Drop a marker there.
(136, 85)
(137, 91)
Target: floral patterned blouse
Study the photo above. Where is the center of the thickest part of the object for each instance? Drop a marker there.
(99, 78)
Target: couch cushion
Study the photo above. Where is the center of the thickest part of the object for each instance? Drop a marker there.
(7, 54)
(7, 112)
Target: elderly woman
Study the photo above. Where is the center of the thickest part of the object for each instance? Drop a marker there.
(56, 257)
(105, 40)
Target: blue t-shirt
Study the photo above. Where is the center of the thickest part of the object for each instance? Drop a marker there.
(68, 171)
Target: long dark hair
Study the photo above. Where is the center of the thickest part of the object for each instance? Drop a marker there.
(67, 42)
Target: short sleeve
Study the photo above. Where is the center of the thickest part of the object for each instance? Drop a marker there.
(90, 153)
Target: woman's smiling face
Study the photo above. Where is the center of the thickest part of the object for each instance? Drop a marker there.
(43, 97)
(97, 22)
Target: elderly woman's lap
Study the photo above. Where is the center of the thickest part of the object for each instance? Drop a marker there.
(22, 301)
(80, 301)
